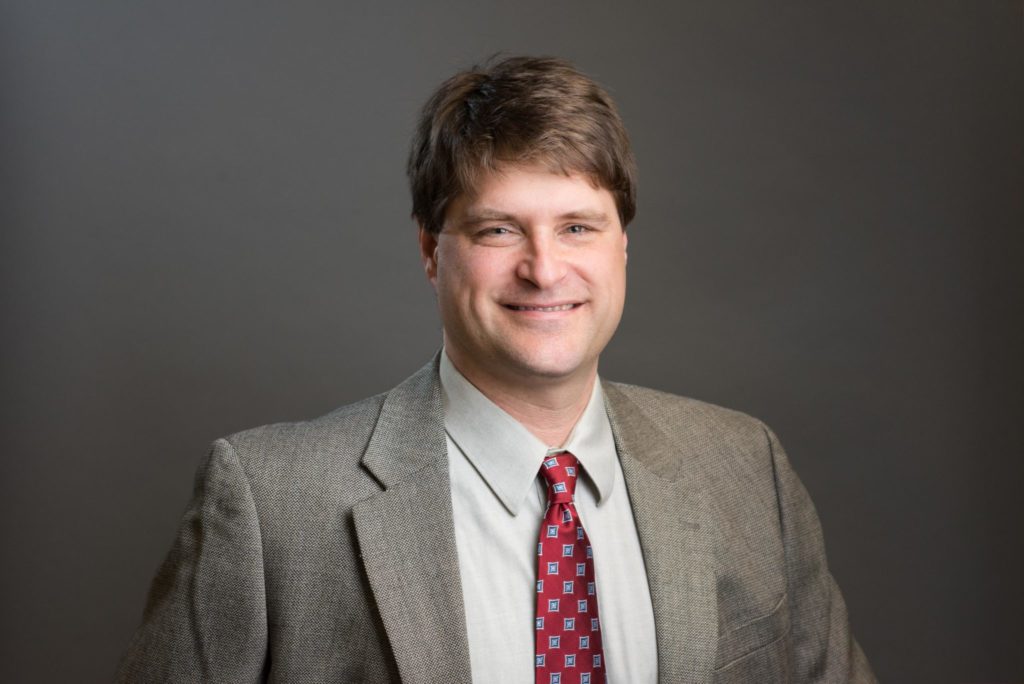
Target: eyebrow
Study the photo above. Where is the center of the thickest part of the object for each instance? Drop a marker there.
(484, 214)
(481, 215)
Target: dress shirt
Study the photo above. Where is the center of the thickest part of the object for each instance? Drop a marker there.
(499, 500)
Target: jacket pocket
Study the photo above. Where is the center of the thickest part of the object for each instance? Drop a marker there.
(755, 649)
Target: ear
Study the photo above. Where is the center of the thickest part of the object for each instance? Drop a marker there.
(625, 246)
(428, 254)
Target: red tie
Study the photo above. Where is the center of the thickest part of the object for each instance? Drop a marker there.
(568, 632)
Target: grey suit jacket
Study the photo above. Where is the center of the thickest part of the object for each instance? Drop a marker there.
(323, 551)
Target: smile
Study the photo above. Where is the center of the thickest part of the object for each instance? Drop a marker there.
(559, 307)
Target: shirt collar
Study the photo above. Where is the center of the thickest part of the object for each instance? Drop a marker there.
(507, 455)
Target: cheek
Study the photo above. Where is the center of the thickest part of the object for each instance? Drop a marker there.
(479, 276)
(611, 273)
(461, 285)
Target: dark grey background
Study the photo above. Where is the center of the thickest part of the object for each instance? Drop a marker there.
(205, 227)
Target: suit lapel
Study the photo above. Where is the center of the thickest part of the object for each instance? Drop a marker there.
(406, 535)
(676, 533)
(407, 541)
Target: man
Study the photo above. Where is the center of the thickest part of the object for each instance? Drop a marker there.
(503, 515)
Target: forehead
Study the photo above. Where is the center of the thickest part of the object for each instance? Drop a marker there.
(518, 190)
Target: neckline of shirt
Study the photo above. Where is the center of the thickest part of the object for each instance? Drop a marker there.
(506, 454)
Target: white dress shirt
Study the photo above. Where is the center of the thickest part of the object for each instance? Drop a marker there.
(499, 500)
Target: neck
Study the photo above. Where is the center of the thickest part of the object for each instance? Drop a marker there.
(547, 407)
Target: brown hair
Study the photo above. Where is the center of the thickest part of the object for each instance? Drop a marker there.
(520, 110)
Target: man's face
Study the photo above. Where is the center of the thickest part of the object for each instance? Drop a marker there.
(530, 274)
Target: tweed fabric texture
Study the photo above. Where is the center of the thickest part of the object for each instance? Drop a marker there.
(748, 549)
(322, 551)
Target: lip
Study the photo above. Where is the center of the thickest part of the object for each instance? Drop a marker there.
(543, 308)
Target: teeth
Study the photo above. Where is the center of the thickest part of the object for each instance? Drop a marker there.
(563, 307)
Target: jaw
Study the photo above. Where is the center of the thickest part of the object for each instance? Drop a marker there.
(515, 345)
(526, 347)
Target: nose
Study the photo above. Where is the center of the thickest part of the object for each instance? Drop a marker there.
(542, 262)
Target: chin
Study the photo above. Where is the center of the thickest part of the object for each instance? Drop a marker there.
(545, 364)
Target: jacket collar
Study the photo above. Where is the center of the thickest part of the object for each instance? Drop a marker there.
(677, 532)
(406, 537)
(408, 547)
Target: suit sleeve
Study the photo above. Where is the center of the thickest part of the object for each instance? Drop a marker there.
(824, 649)
(205, 619)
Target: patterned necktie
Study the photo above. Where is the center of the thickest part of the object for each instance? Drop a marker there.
(568, 631)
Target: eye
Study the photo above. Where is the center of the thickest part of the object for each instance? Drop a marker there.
(578, 229)
(495, 235)
(492, 231)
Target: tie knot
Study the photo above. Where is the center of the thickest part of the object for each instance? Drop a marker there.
(560, 472)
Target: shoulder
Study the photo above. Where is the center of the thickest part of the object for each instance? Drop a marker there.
(349, 425)
(309, 456)
(327, 452)
(678, 436)
(685, 418)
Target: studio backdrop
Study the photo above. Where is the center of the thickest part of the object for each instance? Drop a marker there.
(205, 227)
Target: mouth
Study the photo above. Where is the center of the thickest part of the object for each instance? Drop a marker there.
(543, 309)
